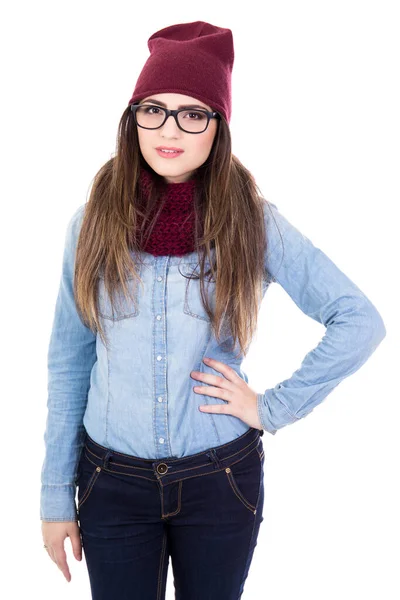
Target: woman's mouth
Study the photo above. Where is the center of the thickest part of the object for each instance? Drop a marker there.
(169, 153)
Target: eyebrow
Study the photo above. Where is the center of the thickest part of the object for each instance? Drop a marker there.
(155, 101)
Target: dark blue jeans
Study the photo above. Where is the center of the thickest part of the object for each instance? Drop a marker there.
(203, 510)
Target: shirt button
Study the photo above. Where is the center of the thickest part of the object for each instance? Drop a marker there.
(161, 440)
(159, 357)
(159, 278)
(160, 398)
(158, 317)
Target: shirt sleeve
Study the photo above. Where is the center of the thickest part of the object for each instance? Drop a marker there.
(71, 356)
(354, 327)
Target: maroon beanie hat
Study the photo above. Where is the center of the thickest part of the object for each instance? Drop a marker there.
(195, 59)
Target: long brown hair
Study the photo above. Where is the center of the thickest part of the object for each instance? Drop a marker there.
(229, 219)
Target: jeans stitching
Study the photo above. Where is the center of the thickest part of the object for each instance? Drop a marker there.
(238, 493)
(253, 528)
(161, 568)
(120, 464)
(179, 503)
(260, 452)
(89, 487)
(239, 452)
(159, 480)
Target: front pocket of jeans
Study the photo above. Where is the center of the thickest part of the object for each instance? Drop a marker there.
(244, 479)
(125, 308)
(84, 495)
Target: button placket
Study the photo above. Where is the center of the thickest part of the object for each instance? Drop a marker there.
(160, 356)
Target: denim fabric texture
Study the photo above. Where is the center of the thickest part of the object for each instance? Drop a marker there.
(137, 397)
(202, 510)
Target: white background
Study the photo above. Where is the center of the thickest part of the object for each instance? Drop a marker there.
(321, 82)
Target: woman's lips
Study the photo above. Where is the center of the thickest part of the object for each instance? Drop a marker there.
(168, 154)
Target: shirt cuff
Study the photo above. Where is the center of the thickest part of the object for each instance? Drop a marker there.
(262, 415)
(57, 503)
(272, 413)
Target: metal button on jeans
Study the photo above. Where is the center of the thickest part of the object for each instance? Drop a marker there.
(162, 468)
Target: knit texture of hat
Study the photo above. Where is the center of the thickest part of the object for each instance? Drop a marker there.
(173, 232)
(194, 59)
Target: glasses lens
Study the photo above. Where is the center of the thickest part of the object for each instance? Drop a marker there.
(192, 121)
(150, 116)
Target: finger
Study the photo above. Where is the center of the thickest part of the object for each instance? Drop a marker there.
(76, 543)
(61, 560)
(215, 408)
(215, 380)
(50, 552)
(222, 393)
(226, 370)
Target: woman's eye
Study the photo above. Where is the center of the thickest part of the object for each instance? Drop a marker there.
(198, 116)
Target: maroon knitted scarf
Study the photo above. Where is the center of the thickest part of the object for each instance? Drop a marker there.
(173, 232)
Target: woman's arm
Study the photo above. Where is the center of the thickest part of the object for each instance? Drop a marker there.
(71, 356)
(354, 327)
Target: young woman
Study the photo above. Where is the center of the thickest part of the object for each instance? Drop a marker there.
(149, 412)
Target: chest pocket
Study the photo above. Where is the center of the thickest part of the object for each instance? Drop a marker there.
(192, 304)
(124, 308)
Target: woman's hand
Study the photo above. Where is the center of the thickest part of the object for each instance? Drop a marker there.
(54, 534)
(241, 399)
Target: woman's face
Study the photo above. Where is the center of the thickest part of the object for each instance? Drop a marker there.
(196, 146)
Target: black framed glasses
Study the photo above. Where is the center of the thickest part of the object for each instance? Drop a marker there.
(151, 116)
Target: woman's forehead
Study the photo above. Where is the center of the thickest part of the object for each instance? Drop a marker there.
(172, 100)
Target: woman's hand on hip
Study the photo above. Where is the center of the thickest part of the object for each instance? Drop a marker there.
(240, 398)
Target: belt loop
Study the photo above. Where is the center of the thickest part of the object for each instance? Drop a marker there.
(106, 458)
(215, 458)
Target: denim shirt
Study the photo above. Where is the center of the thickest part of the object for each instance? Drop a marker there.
(137, 397)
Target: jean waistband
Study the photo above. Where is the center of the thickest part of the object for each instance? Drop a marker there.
(169, 470)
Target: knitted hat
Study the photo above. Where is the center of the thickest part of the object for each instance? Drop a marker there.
(195, 59)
